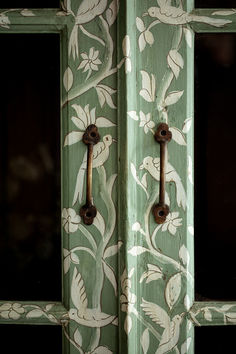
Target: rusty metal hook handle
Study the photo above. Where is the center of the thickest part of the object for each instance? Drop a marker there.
(163, 135)
(88, 211)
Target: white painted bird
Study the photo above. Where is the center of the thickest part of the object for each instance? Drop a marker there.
(87, 11)
(82, 314)
(171, 15)
(170, 335)
(100, 155)
(152, 165)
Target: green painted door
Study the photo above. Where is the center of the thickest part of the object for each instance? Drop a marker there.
(128, 283)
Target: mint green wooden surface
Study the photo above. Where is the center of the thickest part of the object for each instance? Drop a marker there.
(128, 284)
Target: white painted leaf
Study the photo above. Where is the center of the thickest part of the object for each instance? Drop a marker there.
(187, 302)
(144, 180)
(101, 350)
(126, 46)
(141, 42)
(110, 276)
(187, 125)
(184, 255)
(109, 89)
(189, 325)
(27, 13)
(137, 250)
(185, 346)
(112, 11)
(65, 252)
(172, 290)
(150, 276)
(102, 122)
(67, 262)
(49, 307)
(175, 62)
(148, 86)
(128, 65)
(79, 123)
(104, 95)
(99, 223)
(52, 318)
(140, 24)
(78, 338)
(178, 136)
(191, 229)
(35, 313)
(128, 324)
(145, 341)
(131, 272)
(224, 12)
(68, 79)
(188, 37)
(208, 315)
(133, 115)
(74, 258)
(190, 169)
(73, 137)
(173, 97)
(112, 250)
(154, 267)
(149, 37)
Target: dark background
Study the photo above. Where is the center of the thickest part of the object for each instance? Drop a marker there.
(34, 4)
(215, 3)
(215, 167)
(30, 241)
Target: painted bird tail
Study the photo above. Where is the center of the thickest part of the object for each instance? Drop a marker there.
(210, 21)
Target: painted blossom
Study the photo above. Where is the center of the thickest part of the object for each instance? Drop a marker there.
(172, 222)
(90, 61)
(146, 122)
(11, 311)
(70, 220)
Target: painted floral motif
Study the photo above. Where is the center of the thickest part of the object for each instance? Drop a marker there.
(70, 220)
(90, 62)
(172, 223)
(11, 311)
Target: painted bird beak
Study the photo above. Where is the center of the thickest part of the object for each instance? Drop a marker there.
(145, 14)
(114, 140)
(141, 167)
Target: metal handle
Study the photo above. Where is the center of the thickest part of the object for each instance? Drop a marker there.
(88, 211)
(162, 136)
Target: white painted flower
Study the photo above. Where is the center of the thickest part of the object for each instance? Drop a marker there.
(146, 122)
(84, 118)
(11, 311)
(90, 61)
(70, 220)
(172, 222)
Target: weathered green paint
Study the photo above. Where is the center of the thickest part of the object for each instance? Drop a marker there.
(139, 73)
